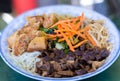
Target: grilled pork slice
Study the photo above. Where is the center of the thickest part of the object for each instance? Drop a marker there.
(49, 20)
(12, 39)
(34, 33)
(38, 43)
(26, 29)
(35, 21)
(20, 45)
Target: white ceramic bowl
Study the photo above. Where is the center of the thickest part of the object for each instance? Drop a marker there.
(18, 22)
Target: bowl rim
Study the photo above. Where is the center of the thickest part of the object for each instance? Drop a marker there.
(85, 76)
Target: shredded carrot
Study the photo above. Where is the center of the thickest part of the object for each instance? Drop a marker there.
(71, 39)
(50, 36)
(59, 22)
(67, 40)
(80, 43)
(90, 39)
(82, 18)
(62, 39)
(73, 31)
(67, 29)
(85, 29)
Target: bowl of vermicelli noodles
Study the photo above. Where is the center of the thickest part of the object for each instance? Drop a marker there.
(60, 43)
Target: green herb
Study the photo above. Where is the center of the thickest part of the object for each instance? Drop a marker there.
(66, 51)
(51, 30)
(76, 41)
(44, 29)
(64, 44)
(48, 30)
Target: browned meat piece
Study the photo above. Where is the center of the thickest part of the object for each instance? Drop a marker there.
(47, 58)
(20, 44)
(52, 55)
(52, 62)
(43, 54)
(44, 73)
(71, 56)
(38, 43)
(80, 72)
(35, 21)
(26, 29)
(25, 35)
(49, 20)
(34, 33)
(57, 75)
(44, 69)
(59, 54)
(70, 61)
(39, 64)
(87, 68)
(97, 64)
(12, 39)
(65, 73)
(58, 64)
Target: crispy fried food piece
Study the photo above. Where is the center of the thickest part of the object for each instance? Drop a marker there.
(97, 64)
(20, 39)
(49, 20)
(20, 44)
(33, 34)
(38, 43)
(26, 29)
(12, 39)
(35, 21)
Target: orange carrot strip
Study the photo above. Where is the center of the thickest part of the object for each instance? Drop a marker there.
(82, 18)
(90, 39)
(60, 35)
(62, 39)
(69, 43)
(57, 35)
(67, 40)
(68, 28)
(71, 38)
(80, 43)
(77, 37)
(84, 29)
(73, 31)
(50, 36)
(76, 19)
(59, 22)
(69, 25)
(63, 25)
(63, 30)
(81, 35)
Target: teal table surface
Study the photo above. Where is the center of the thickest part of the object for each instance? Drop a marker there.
(7, 74)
